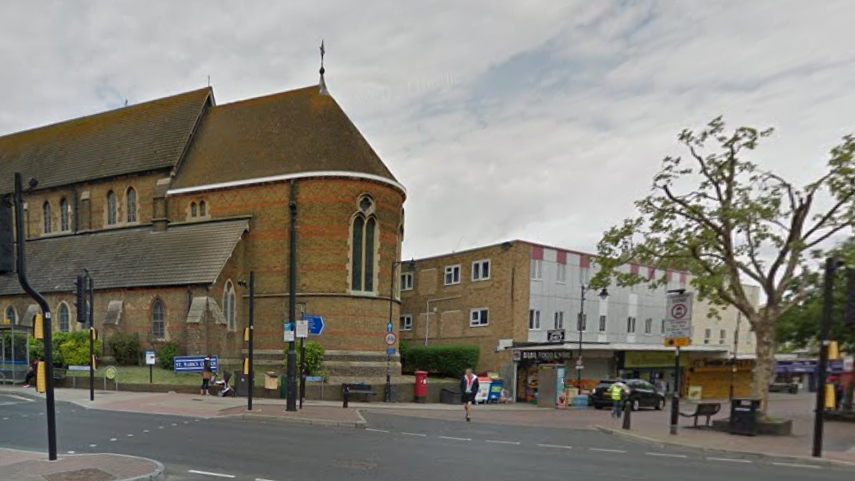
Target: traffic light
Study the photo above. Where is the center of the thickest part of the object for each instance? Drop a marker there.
(849, 315)
(80, 299)
(7, 237)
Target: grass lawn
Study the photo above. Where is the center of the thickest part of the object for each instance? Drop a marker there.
(140, 375)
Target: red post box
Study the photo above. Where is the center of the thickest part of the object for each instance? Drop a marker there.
(421, 386)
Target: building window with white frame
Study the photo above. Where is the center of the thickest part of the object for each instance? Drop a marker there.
(707, 335)
(561, 274)
(64, 318)
(407, 281)
(406, 322)
(581, 322)
(481, 270)
(536, 269)
(479, 317)
(452, 275)
(662, 327)
(723, 337)
(533, 320)
(559, 320)
(648, 326)
(630, 325)
(603, 323)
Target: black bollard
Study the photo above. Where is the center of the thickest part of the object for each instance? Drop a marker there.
(627, 415)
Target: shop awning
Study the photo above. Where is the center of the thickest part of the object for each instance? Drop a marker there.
(620, 346)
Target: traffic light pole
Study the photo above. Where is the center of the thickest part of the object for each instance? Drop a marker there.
(291, 403)
(91, 289)
(40, 300)
(251, 335)
(831, 266)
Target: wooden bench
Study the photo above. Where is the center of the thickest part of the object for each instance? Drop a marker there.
(707, 410)
(363, 389)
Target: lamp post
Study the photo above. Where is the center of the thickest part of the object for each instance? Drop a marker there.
(249, 337)
(735, 351)
(580, 324)
(412, 264)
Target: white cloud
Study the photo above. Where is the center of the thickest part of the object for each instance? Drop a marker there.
(543, 120)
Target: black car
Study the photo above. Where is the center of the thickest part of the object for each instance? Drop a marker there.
(642, 395)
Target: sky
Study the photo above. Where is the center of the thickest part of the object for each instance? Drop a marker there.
(536, 120)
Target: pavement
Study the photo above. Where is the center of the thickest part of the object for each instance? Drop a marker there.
(16, 465)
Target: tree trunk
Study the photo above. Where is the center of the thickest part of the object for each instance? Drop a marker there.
(764, 371)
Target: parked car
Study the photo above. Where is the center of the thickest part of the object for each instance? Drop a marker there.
(642, 395)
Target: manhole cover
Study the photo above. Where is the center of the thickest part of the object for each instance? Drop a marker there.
(80, 475)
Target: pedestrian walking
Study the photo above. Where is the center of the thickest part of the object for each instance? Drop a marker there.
(619, 392)
(468, 390)
(206, 375)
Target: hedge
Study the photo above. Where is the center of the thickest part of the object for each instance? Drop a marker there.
(451, 361)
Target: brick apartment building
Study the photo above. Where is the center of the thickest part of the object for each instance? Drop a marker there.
(505, 298)
(170, 203)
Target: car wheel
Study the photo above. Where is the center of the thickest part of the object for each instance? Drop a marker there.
(635, 405)
(660, 405)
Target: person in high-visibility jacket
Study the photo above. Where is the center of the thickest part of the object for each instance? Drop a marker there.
(619, 392)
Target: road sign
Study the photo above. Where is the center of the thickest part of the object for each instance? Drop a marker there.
(149, 358)
(390, 327)
(316, 324)
(302, 329)
(288, 332)
(390, 351)
(678, 317)
(194, 363)
(391, 338)
(678, 342)
(111, 373)
(555, 335)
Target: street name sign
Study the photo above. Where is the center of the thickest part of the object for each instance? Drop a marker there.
(193, 363)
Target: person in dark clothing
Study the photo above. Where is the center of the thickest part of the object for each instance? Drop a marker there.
(206, 375)
(468, 391)
(31, 373)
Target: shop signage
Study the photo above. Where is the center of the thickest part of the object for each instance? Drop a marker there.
(555, 335)
(546, 355)
(747, 363)
(652, 359)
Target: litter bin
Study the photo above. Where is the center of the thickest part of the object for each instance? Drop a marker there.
(242, 384)
(743, 416)
(447, 396)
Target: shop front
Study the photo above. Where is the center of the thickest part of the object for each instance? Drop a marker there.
(716, 378)
(804, 372)
(656, 367)
(544, 374)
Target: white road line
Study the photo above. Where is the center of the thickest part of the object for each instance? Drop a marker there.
(262, 479)
(93, 445)
(160, 427)
(130, 435)
(666, 455)
(112, 439)
(415, 434)
(145, 430)
(174, 424)
(491, 441)
(377, 430)
(206, 473)
(19, 397)
(601, 450)
(730, 460)
(795, 465)
(455, 439)
(5, 419)
(71, 452)
(554, 446)
(186, 422)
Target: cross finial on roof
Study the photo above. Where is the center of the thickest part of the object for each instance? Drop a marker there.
(322, 83)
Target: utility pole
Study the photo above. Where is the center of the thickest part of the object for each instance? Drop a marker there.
(291, 404)
(248, 335)
(735, 351)
(93, 336)
(831, 266)
(43, 304)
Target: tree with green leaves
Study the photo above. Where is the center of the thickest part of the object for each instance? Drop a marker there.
(726, 221)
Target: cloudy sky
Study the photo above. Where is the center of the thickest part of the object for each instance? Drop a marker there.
(541, 120)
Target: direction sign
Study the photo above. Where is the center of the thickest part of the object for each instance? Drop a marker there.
(302, 329)
(316, 324)
(390, 351)
(391, 338)
(678, 317)
(390, 327)
(555, 335)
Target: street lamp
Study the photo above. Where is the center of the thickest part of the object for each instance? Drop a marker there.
(412, 265)
(249, 337)
(580, 324)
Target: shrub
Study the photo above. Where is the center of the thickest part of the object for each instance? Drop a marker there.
(451, 361)
(126, 348)
(75, 348)
(166, 356)
(37, 348)
(314, 359)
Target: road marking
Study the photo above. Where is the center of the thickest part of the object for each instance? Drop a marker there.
(794, 465)
(554, 446)
(93, 445)
(455, 439)
(211, 474)
(5, 419)
(415, 434)
(174, 424)
(130, 435)
(666, 455)
(41, 414)
(514, 443)
(145, 430)
(160, 427)
(112, 439)
(186, 422)
(262, 479)
(730, 460)
(377, 430)
(71, 452)
(607, 450)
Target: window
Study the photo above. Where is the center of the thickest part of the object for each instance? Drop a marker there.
(561, 276)
(707, 335)
(648, 326)
(203, 208)
(406, 323)
(11, 315)
(158, 325)
(479, 317)
(559, 320)
(630, 325)
(132, 205)
(581, 322)
(364, 227)
(603, 323)
(229, 310)
(662, 327)
(722, 337)
(536, 269)
(112, 208)
(46, 215)
(452, 275)
(534, 320)
(63, 216)
(64, 324)
(480, 270)
(407, 281)
(193, 210)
